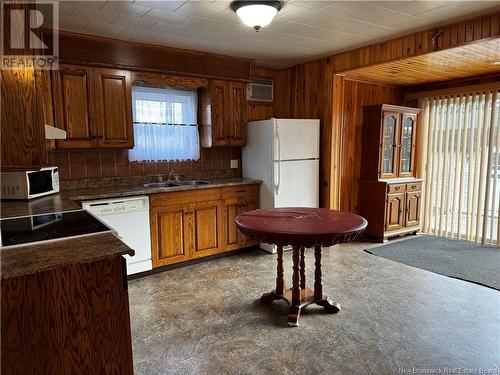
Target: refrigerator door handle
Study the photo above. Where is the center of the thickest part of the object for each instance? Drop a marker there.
(277, 185)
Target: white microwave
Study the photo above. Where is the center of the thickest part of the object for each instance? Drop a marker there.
(30, 184)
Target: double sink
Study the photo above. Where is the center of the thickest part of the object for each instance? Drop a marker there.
(167, 184)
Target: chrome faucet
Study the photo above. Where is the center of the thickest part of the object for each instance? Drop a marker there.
(172, 176)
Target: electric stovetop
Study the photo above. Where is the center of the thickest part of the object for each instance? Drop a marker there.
(24, 230)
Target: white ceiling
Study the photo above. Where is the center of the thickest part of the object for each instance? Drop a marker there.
(303, 30)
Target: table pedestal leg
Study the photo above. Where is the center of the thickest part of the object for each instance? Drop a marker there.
(302, 268)
(280, 280)
(293, 316)
(319, 298)
(299, 296)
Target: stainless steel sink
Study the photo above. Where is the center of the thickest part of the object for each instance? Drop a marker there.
(161, 185)
(195, 182)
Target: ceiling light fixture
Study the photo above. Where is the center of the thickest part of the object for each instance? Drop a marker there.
(254, 13)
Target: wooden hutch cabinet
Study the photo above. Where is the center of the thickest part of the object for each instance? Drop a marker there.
(389, 193)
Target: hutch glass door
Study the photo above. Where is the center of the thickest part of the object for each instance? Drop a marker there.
(407, 146)
(388, 167)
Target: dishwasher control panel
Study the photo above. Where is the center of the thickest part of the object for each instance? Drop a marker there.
(117, 206)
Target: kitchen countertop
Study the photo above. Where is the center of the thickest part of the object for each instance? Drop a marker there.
(41, 257)
(103, 192)
(67, 200)
(43, 205)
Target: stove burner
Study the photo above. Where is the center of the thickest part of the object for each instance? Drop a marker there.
(75, 228)
(28, 237)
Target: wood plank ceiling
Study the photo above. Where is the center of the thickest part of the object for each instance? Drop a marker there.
(465, 61)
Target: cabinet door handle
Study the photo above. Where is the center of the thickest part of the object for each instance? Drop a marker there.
(241, 191)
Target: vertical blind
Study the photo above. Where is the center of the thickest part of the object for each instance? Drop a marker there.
(462, 166)
(164, 124)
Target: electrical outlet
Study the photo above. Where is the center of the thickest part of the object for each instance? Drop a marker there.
(234, 163)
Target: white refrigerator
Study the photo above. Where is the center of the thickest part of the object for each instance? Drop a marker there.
(284, 155)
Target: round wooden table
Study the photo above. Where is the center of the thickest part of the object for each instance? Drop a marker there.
(301, 228)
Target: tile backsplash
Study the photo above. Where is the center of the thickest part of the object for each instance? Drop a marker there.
(108, 164)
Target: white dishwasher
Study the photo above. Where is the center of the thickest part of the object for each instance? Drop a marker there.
(129, 217)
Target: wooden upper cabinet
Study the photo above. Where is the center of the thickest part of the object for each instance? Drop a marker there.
(114, 108)
(389, 142)
(22, 131)
(223, 114)
(94, 106)
(219, 105)
(73, 93)
(237, 118)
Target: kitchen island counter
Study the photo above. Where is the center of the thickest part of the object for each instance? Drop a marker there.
(47, 256)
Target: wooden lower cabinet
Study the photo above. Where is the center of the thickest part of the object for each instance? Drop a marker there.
(231, 234)
(394, 211)
(234, 206)
(198, 223)
(207, 228)
(391, 208)
(249, 205)
(168, 225)
(413, 202)
(73, 319)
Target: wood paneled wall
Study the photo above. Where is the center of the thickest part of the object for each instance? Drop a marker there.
(280, 107)
(317, 91)
(311, 96)
(92, 50)
(356, 95)
(436, 39)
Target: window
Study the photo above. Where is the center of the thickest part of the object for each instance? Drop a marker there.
(164, 124)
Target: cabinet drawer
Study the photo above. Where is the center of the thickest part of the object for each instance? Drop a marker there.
(414, 186)
(184, 197)
(396, 188)
(241, 191)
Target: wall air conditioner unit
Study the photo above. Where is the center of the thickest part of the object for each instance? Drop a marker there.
(260, 90)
